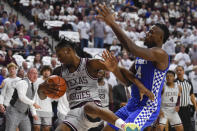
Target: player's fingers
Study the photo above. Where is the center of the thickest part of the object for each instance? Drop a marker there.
(104, 55)
(141, 96)
(100, 12)
(106, 9)
(102, 9)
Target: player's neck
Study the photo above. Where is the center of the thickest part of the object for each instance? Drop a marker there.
(74, 64)
(101, 82)
(170, 84)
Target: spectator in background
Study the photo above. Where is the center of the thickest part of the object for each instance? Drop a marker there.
(4, 18)
(21, 73)
(66, 26)
(3, 74)
(53, 63)
(41, 48)
(193, 54)
(98, 33)
(26, 49)
(45, 112)
(19, 40)
(16, 21)
(37, 63)
(125, 62)
(182, 58)
(9, 58)
(25, 67)
(30, 31)
(84, 29)
(114, 47)
(186, 96)
(36, 35)
(120, 96)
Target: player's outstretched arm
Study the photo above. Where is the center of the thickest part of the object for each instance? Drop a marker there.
(125, 76)
(152, 54)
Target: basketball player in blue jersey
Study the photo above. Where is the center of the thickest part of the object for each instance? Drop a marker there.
(150, 68)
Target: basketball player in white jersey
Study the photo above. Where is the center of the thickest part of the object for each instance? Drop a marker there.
(8, 86)
(105, 91)
(170, 103)
(82, 92)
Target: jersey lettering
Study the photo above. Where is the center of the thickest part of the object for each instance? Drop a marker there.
(77, 81)
(79, 95)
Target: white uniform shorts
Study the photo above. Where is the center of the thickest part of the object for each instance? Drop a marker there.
(172, 116)
(78, 121)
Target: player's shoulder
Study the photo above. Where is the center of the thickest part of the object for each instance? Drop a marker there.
(57, 70)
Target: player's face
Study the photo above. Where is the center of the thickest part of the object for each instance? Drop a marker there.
(101, 74)
(12, 71)
(170, 77)
(63, 55)
(153, 36)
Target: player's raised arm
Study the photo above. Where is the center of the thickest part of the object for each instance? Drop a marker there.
(154, 36)
(125, 76)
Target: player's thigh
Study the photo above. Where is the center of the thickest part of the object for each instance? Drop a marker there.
(63, 127)
(174, 119)
(161, 127)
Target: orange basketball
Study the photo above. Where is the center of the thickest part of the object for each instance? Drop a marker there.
(58, 86)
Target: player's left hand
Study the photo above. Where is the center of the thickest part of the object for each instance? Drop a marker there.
(110, 61)
(177, 108)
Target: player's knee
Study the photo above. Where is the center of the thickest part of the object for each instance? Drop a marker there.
(91, 108)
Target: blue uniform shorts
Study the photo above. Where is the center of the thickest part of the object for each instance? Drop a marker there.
(143, 116)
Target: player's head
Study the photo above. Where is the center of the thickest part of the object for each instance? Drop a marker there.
(156, 36)
(65, 51)
(32, 74)
(46, 71)
(170, 76)
(12, 69)
(180, 71)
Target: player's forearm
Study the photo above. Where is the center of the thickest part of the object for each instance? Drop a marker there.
(127, 43)
(120, 75)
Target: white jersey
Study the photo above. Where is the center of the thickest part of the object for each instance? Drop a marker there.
(8, 90)
(170, 96)
(81, 86)
(104, 94)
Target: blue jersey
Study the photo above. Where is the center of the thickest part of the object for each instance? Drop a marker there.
(152, 78)
(145, 112)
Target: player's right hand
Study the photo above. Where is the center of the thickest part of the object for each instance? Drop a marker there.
(2, 108)
(177, 108)
(36, 106)
(144, 91)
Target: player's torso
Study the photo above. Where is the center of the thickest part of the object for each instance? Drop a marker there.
(169, 96)
(104, 94)
(81, 86)
(152, 78)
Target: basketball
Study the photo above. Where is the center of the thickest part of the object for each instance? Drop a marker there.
(57, 85)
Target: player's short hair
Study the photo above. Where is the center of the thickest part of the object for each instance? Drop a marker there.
(165, 30)
(66, 43)
(170, 72)
(44, 68)
(11, 65)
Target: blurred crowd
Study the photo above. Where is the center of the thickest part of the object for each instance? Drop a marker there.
(26, 48)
